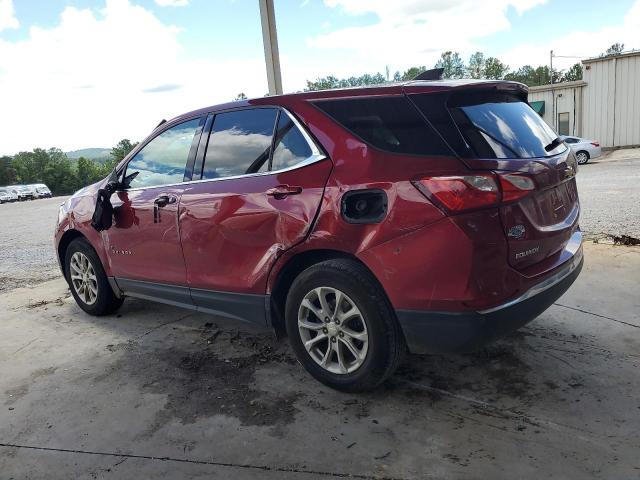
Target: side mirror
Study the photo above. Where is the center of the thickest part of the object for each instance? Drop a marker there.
(126, 181)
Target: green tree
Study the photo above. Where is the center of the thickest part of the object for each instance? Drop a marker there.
(534, 77)
(7, 171)
(329, 82)
(615, 49)
(409, 74)
(88, 172)
(494, 69)
(574, 73)
(476, 67)
(25, 166)
(452, 63)
(240, 96)
(121, 150)
(58, 174)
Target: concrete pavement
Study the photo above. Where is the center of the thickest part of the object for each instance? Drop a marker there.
(158, 392)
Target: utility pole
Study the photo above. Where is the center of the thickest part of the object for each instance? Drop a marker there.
(553, 95)
(270, 41)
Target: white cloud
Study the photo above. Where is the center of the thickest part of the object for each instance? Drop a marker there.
(99, 76)
(172, 3)
(7, 15)
(580, 43)
(417, 31)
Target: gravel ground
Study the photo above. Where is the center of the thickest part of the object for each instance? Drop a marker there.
(608, 189)
(27, 255)
(610, 197)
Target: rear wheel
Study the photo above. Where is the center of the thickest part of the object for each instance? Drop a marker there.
(88, 282)
(583, 157)
(342, 327)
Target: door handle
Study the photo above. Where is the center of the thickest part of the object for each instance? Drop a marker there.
(283, 191)
(164, 200)
(158, 203)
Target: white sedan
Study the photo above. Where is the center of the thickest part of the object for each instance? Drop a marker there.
(584, 149)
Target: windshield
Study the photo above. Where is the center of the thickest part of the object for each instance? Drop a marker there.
(500, 125)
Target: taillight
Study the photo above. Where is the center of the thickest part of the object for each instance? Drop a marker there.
(458, 193)
(515, 186)
(595, 144)
(464, 192)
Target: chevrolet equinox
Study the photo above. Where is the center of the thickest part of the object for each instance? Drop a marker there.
(428, 216)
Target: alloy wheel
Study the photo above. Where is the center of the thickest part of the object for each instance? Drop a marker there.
(582, 158)
(83, 278)
(333, 330)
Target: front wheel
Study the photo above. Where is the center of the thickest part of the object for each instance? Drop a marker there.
(582, 157)
(87, 280)
(342, 327)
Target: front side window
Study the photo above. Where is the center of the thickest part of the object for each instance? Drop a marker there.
(291, 146)
(500, 125)
(163, 160)
(240, 143)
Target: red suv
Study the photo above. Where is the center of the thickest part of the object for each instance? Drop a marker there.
(432, 216)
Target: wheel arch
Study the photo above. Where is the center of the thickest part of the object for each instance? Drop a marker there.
(293, 267)
(63, 244)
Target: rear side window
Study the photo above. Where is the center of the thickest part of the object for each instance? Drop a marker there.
(389, 123)
(291, 146)
(240, 143)
(500, 125)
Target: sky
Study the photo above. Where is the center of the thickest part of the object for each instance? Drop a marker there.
(87, 73)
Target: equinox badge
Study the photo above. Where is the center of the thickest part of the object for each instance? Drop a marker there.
(526, 253)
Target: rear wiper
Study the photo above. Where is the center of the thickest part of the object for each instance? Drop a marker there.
(557, 141)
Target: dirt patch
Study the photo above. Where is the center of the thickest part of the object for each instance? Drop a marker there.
(16, 393)
(213, 376)
(625, 240)
(42, 303)
(498, 370)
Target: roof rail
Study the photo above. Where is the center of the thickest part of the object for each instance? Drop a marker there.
(433, 74)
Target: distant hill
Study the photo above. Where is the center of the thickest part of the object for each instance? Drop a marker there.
(97, 154)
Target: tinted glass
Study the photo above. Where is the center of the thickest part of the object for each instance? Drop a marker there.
(498, 125)
(391, 123)
(240, 143)
(163, 160)
(563, 123)
(291, 146)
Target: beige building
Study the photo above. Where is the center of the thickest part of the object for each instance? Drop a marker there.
(604, 106)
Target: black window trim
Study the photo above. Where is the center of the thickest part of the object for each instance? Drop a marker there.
(317, 153)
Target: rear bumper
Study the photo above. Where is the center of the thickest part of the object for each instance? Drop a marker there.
(449, 332)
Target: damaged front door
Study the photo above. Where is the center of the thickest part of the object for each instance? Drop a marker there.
(257, 197)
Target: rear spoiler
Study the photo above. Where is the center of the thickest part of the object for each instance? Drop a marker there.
(419, 86)
(433, 74)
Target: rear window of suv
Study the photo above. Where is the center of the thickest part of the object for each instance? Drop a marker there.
(391, 124)
(489, 125)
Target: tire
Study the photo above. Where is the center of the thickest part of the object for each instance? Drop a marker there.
(97, 297)
(373, 331)
(582, 157)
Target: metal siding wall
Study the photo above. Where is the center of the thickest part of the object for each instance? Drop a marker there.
(627, 101)
(599, 102)
(564, 104)
(546, 97)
